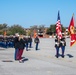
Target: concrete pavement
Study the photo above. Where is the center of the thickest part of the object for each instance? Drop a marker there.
(41, 62)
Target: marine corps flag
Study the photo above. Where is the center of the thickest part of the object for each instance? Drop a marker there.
(58, 27)
(71, 31)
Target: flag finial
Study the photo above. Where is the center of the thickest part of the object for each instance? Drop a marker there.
(73, 14)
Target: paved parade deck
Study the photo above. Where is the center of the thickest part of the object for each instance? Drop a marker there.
(40, 62)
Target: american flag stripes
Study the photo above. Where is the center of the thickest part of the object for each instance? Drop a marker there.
(58, 27)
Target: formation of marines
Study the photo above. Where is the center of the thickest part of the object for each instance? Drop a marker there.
(8, 41)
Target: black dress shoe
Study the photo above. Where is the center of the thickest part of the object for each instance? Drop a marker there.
(62, 56)
(56, 56)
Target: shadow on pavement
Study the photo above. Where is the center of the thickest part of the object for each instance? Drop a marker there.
(24, 59)
(7, 61)
(70, 56)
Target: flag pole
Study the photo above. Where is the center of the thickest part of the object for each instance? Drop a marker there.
(74, 22)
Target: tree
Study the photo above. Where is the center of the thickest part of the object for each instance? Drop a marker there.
(3, 26)
(16, 29)
(63, 29)
(38, 29)
(41, 28)
(52, 29)
(32, 28)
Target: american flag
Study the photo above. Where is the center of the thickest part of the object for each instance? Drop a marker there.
(58, 27)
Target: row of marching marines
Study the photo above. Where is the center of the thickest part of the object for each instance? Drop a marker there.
(8, 41)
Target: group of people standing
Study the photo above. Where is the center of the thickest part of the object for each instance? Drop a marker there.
(19, 46)
(20, 43)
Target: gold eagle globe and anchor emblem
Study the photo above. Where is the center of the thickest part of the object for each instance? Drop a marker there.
(72, 29)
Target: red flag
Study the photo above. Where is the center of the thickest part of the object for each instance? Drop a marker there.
(35, 33)
(71, 31)
(58, 27)
(4, 33)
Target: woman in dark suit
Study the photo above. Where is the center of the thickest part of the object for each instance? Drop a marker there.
(21, 48)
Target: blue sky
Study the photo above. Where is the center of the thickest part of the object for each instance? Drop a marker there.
(36, 12)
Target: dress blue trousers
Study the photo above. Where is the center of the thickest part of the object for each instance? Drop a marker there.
(57, 51)
(16, 53)
(63, 50)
